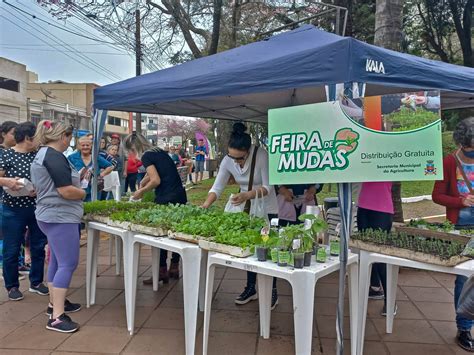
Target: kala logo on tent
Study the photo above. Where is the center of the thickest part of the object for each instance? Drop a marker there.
(300, 153)
(374, 66)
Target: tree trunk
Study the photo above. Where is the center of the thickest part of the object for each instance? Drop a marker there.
(388, 34)
(216, 25)
(388, 24)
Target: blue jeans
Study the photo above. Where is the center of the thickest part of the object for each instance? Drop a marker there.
(462, 323)
(15, 221)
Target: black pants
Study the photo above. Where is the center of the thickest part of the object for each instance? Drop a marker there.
(252, 276)
(131, 180)
(164, 256)
(368, 219)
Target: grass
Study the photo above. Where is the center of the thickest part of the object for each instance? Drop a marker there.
(198, 194)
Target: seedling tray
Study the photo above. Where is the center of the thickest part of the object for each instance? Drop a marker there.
(96, 218)
(428, 233)
(225, 249)
(148, 230)
(119, 224)
(184, 237)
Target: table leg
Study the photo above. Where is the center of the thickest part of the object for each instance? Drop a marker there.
(111, 247)
(118, 254)
(391, 294)
(191, 261)
(127, 271)
(130, 299)
(202, 279)
(91, 270)
(353, 304)
(207, 306)
(264, 283)
(303, 286)
(155, 267)
(365, 268)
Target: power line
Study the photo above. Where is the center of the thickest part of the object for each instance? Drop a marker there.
(55, 50)
(54, 25)
(69, 56)
(63, 44)
(45, 45)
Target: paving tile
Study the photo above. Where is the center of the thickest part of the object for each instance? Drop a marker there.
(224, 300)
(447, 280)
(285, 304)
(153, 341)
(437, 310)
(409, 331)
(169, 318)
(234, 321)
(332, 278)
(110, 282)
(164, 287)
(283, 324)
(235, 274)
(427, 294)
(406, 310)
(232, 286)
(447, 330)
(327, 328)
(370, 347)
(102, 296)
(78, 281)
(417, 349)
(21, 311)
(145, 298)
(116, 316)
(33, 336)
(230, 343)
(6, 327)
(24, 352)
(76, 353)
(281, 344)
(97, 339)
(173, 300)
(457, 350)
(327, 306)
(417, 278)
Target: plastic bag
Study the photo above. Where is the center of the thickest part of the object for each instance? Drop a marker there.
(231, 208)
(257, 207)
(111, 181)
(469, 249)
(466, 300)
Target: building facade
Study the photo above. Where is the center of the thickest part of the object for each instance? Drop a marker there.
(13, 91)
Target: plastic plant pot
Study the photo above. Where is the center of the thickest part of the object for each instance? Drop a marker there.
(274, 254)
(283, 257)
(315, 249)
(261, 253)
(307, 258)
(298, 259)
(321, 254)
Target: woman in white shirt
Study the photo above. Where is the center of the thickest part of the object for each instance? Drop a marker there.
(237, 164)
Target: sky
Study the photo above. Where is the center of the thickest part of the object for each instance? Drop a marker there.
(36, 47)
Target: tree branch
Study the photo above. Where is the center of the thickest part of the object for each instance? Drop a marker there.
(162, 9)
(216, 25)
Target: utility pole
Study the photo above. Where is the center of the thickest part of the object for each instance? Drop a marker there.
(138, 64)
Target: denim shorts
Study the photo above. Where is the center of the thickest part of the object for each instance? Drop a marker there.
(199, 166)
(466, 216)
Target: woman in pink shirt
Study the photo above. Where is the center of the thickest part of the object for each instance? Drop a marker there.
(375, 211)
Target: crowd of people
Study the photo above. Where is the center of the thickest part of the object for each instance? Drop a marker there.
(51, 211)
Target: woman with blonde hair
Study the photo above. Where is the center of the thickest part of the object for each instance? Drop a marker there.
(163, 177)
(58, 212)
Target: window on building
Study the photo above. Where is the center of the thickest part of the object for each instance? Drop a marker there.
(9, 84)
(114, 121)
(124, 123)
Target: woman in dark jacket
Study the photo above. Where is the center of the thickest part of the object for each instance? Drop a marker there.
(456, 192)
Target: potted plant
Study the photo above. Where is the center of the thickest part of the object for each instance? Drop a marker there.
(265, 244)
(318, 225)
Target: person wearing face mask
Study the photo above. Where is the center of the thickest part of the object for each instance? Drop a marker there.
(59, 211)
(237, 164)
(18, 214)
(456, 193)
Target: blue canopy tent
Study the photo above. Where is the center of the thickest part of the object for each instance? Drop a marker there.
(303, 66)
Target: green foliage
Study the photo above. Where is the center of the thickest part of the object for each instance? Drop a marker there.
(108, 207)
(439, 247)
(448, 143)
(406, 119)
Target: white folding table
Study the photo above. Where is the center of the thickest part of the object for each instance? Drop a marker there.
(366, 259)
(303, 282)
(194, 267)
(93, 241)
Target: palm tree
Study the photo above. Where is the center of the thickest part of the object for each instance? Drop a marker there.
(388, 34)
